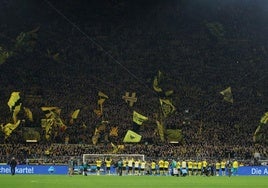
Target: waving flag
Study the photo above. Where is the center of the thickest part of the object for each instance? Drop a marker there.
(47, 125)
(14, 100)
(101, 94)
(28, 113)
(161, 130)
(227, 95)
(264, 118)
(53, 122)
(167, 107)
(131, 136)
(174, 135)
(9, 128)
(138, 118)
(157, 81)
(156, 85)
(114, 131)
(258, 134)
(74, 116)
(14, 104)
(51, 112)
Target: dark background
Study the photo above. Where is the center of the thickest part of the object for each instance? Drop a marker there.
(116, 46)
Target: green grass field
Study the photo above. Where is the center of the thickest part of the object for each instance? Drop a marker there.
(57, 181)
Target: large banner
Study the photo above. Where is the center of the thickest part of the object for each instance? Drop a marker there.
(35, 169)
(253, 171)
(63, 169)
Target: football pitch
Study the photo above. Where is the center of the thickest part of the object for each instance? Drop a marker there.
(61, 181)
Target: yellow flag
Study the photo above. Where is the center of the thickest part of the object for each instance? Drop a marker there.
(115, 148)
(59, 124)
(156, 85)
(9, 128)
(49, 108)
(51, 112)
(28, 113)
(227, 95)
(95, 137)
(169, 92)
(167, 107)
(101, 101)
(173, 135)
(14, 104)
(161, 130)
(14, 100)
(264, 118)
(54, 122)
(16, 110)
(75, 114)
(138, 118)
(98, 130)
(84, 126)
(114, 131)
(101, 94)
(47, 126)
(131, 136)
(98, 112)
(256, 133)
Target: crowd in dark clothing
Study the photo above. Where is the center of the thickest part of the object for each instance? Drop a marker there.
(198, 56)
(60, 153)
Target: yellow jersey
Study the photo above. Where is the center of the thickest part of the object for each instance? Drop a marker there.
(108, 163)
(98, 163)
(235, 164)
(153, 165)
(161, 164)
(218, 165)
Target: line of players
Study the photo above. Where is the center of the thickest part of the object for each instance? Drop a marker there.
(167, 167)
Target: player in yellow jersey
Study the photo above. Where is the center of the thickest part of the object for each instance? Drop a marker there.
(190, 167)
(194, 168)
(204, 166)
(235, 167)
(108, 163)
(130, 163)
(137, 167)
(166, 166)
(153, 167)
(142, 167)
(161, 166)
(124, 166)
(184, 170)
(98, 165)
(199, 167)
(223, 165)
(218, 167)
(178, 166)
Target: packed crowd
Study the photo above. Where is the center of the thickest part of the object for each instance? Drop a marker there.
(61, 153)
(196, 65)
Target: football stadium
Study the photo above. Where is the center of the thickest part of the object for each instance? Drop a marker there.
(136, 93)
